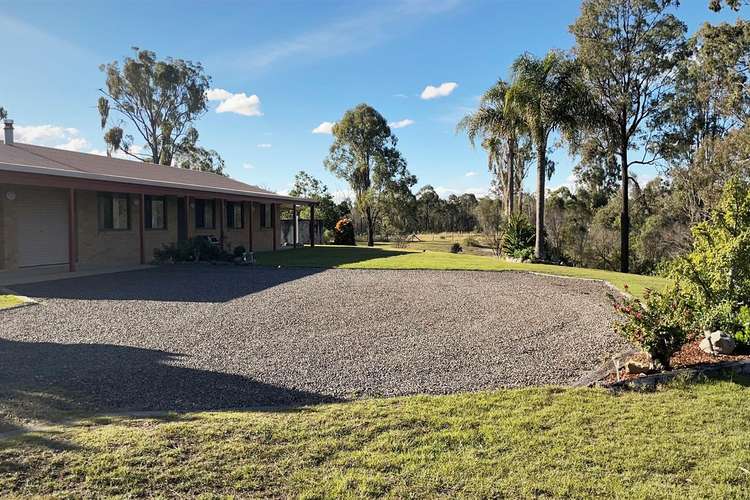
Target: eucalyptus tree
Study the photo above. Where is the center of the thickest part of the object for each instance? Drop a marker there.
(3, 113)
(501, 131)
(549, 97)
(364, 154)
(716, 5)
(628, 50)
(161, 99)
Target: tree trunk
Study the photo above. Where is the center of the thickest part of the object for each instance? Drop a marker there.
(541, 175)
(624, 215)
(511, 176)
(370, 229)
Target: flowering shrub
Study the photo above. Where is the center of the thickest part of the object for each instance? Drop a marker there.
(343, 233)
(657, 325)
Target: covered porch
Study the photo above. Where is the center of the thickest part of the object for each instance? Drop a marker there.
(51, 225)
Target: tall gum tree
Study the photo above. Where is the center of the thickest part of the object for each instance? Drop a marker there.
(629, 50)
(364, 154)
(161, 99)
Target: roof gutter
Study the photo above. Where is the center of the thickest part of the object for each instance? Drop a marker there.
(57, 172)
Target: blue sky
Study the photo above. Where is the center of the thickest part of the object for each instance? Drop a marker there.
(305, 61)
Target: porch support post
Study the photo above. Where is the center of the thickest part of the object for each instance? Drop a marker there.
(312, 224)
(250, 226)
(141, 225)
(294, 225)
(72, 230)
(274, 229)
(188, 222)
(221, 223)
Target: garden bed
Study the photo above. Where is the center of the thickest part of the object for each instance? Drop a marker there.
(690, 356)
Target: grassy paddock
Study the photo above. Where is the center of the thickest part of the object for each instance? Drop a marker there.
(687, 441)
(389, 257)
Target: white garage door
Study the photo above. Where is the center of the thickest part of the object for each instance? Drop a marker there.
(42, 227)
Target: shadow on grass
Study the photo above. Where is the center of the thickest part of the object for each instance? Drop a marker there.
(172, 283)
(50, 383)
(326, 256)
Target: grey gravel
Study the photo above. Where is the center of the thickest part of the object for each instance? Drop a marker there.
(209, 337)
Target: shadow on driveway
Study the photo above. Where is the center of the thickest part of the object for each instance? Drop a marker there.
(171, 283)
(47, 382)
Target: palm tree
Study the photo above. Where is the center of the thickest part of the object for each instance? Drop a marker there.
(500, 129)
(548, 95)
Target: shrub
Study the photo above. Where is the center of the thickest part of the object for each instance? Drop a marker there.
(344, 232)
(167, 253)
(327, 236)
(523, 253)
(714, 278)
(471, 241)
(657, 326)
(743, 334)
(518, 234)
(456, 248)
(239, 251)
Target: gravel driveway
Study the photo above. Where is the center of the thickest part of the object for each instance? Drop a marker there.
(187, 337)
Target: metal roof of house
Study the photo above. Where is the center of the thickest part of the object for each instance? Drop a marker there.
(27, 158)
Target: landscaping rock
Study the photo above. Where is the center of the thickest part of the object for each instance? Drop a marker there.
(640, 363)
(721, 342)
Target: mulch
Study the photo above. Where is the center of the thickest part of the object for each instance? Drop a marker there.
(691, 355)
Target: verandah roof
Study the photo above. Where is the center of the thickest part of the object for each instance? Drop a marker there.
(70, 165)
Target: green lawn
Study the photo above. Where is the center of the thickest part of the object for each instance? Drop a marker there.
(7, 300)
(387, 257)
(686, 441)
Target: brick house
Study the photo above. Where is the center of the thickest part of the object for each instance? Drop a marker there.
(64, 210)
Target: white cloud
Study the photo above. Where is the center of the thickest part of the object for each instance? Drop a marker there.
(264, 145)
(401, 123)
(75, 144)
(570, 183)
(44, 135)
(248, 166)
(444, 192)
(342, 194)
(471, 173)
(218, 95)
(239, 103)
(324, 128)
(442, 90)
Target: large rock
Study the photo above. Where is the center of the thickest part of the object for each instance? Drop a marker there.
(721, 342)
(639, 363)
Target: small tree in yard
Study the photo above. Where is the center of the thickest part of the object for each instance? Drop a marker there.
(364, 154)
(490, 218)
(307, 186)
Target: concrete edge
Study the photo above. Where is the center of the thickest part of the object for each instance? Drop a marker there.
(691, 373)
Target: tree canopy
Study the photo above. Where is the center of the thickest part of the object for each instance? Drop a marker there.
(628, 50)
(161, 99)
(364, 153)
(547, 95)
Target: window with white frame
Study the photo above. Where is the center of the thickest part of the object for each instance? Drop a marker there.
(155, 211)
